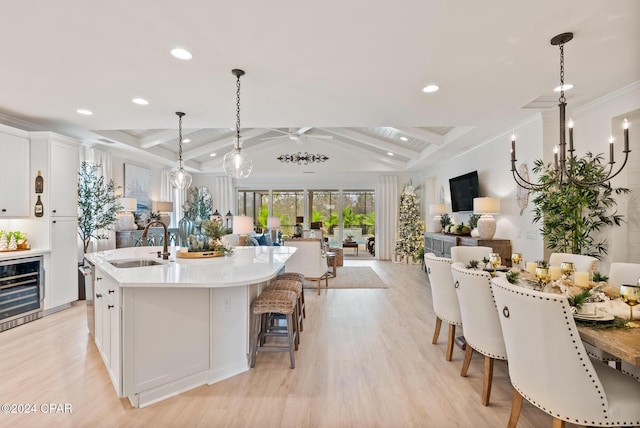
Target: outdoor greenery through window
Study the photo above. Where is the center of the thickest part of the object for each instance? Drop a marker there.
(342, 213)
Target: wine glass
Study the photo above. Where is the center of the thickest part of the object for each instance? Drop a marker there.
(516, 259)
(630, 294)
(495, 260)
(543, 276)
(567, 269)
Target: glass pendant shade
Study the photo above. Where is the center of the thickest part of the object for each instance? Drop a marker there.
(236, 164)
(180, 178)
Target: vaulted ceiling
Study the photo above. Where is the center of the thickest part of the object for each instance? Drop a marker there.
(339, 78)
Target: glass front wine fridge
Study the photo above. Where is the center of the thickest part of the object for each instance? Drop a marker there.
(21, 291)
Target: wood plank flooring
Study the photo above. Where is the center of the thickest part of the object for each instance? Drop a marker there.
(365, 360)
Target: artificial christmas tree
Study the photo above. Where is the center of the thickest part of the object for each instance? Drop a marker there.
(411, 227)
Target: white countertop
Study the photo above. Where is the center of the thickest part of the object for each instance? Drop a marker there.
(247, 265)
(8, 255)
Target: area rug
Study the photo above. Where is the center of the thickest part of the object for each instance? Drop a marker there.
(351, 277)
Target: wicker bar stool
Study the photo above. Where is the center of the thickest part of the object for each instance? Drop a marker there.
(297, 277)
(296, 287)
(282, 302)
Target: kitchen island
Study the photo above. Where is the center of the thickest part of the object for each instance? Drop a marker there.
(176, 324)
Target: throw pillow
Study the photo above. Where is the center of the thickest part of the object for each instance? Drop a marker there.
(262, 240)
(253, 242)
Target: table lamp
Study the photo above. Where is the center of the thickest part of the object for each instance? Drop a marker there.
(124, 218)
(273, 223)
(243, 226)
(436, 210)
(163, 208)
(486, 207)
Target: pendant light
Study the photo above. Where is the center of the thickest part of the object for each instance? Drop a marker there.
(237, 164)
(180, 179)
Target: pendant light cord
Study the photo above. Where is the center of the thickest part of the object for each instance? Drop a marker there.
(238, 112)
(562, 97)
(180, 114)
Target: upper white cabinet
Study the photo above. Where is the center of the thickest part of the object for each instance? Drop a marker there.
(63, 200)
(14, 176)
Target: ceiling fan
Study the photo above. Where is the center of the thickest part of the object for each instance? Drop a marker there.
(298, 135)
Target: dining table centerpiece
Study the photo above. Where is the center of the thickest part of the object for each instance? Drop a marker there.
(207, 243)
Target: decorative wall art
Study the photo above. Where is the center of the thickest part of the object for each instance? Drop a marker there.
(137, 184)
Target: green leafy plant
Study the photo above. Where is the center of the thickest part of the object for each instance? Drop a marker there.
(96, 204)
(579, 299)
(598, 277)
(542, 263)
(512, 276)
(473, 220)
(572, 214)
(214, 231)
(445, 220)
(473, 264)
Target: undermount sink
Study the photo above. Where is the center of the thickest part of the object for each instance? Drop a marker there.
(134, 263)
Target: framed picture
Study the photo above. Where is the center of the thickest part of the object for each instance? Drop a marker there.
(137, 184)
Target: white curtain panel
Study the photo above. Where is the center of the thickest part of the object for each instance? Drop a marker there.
(387, 200)
(223, 195)
(102, 158)
(169, 194)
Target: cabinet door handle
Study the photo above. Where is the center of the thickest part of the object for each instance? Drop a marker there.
(109, 306)
(111, 291)
(98, 296)
(4, 210)
(54, 211)
(54, 221)
(98, 278)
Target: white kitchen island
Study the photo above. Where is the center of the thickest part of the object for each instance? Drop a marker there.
(167, 328)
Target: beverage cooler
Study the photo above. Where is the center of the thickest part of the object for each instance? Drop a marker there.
(21, 291)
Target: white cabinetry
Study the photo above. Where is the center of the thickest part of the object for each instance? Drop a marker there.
(14, 176)
(57, 157)
(108, 319)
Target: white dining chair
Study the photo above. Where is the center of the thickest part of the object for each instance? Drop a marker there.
(464, 254)
(444, 298)
(482, 330)
(550, 368)
(581, 263)
(624, 273)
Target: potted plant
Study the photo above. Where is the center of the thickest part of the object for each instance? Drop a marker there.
(572, 214)
(96, 204)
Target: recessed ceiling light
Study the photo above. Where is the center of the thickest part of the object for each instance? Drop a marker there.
(567, 86)
(430, 88)
(389, 154)
(84, 111)
(404, 138)
(186, 140)
(212, 154)
(140, 101)
(181, 53)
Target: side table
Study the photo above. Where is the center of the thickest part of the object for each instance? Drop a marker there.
(331, 261)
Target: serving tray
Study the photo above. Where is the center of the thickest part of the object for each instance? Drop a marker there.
(199, 254)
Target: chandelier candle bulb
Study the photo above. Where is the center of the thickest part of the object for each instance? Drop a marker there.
(570, 135)
(611, 150)
(555, 157)
(625, 127)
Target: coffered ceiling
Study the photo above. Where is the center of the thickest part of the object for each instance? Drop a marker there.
(340, 78)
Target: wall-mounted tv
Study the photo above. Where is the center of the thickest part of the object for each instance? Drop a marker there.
(463, 189)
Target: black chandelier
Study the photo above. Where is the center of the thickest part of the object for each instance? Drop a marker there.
(564, 167)
(299, 158)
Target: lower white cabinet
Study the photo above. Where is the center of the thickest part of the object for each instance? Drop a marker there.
(62, 277)
(108, 319)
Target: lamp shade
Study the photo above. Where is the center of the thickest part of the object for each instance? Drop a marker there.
(242, 225)
(437, 209)
(273, 222)
(486, 205)
(163, 207)
(128, 204)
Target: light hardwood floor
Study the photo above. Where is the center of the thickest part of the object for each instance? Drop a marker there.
(365, 360)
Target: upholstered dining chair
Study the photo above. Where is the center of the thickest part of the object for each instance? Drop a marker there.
(445, 300)
(464, 254)
(580, 262)
(309, 260)
(549, 366)
(482, 330)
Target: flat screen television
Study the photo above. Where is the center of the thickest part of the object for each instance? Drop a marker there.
(463, 189)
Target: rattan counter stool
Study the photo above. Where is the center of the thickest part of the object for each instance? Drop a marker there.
(270, 302)
(297, 277)
(296, 287)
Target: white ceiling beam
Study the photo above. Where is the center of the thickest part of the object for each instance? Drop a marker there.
(164, 136)
(420, 134)
(220, 143)
(371, 142)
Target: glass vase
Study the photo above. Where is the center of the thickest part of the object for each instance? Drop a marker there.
(186, 227)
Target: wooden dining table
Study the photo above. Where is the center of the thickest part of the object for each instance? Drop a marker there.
(623, 343)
